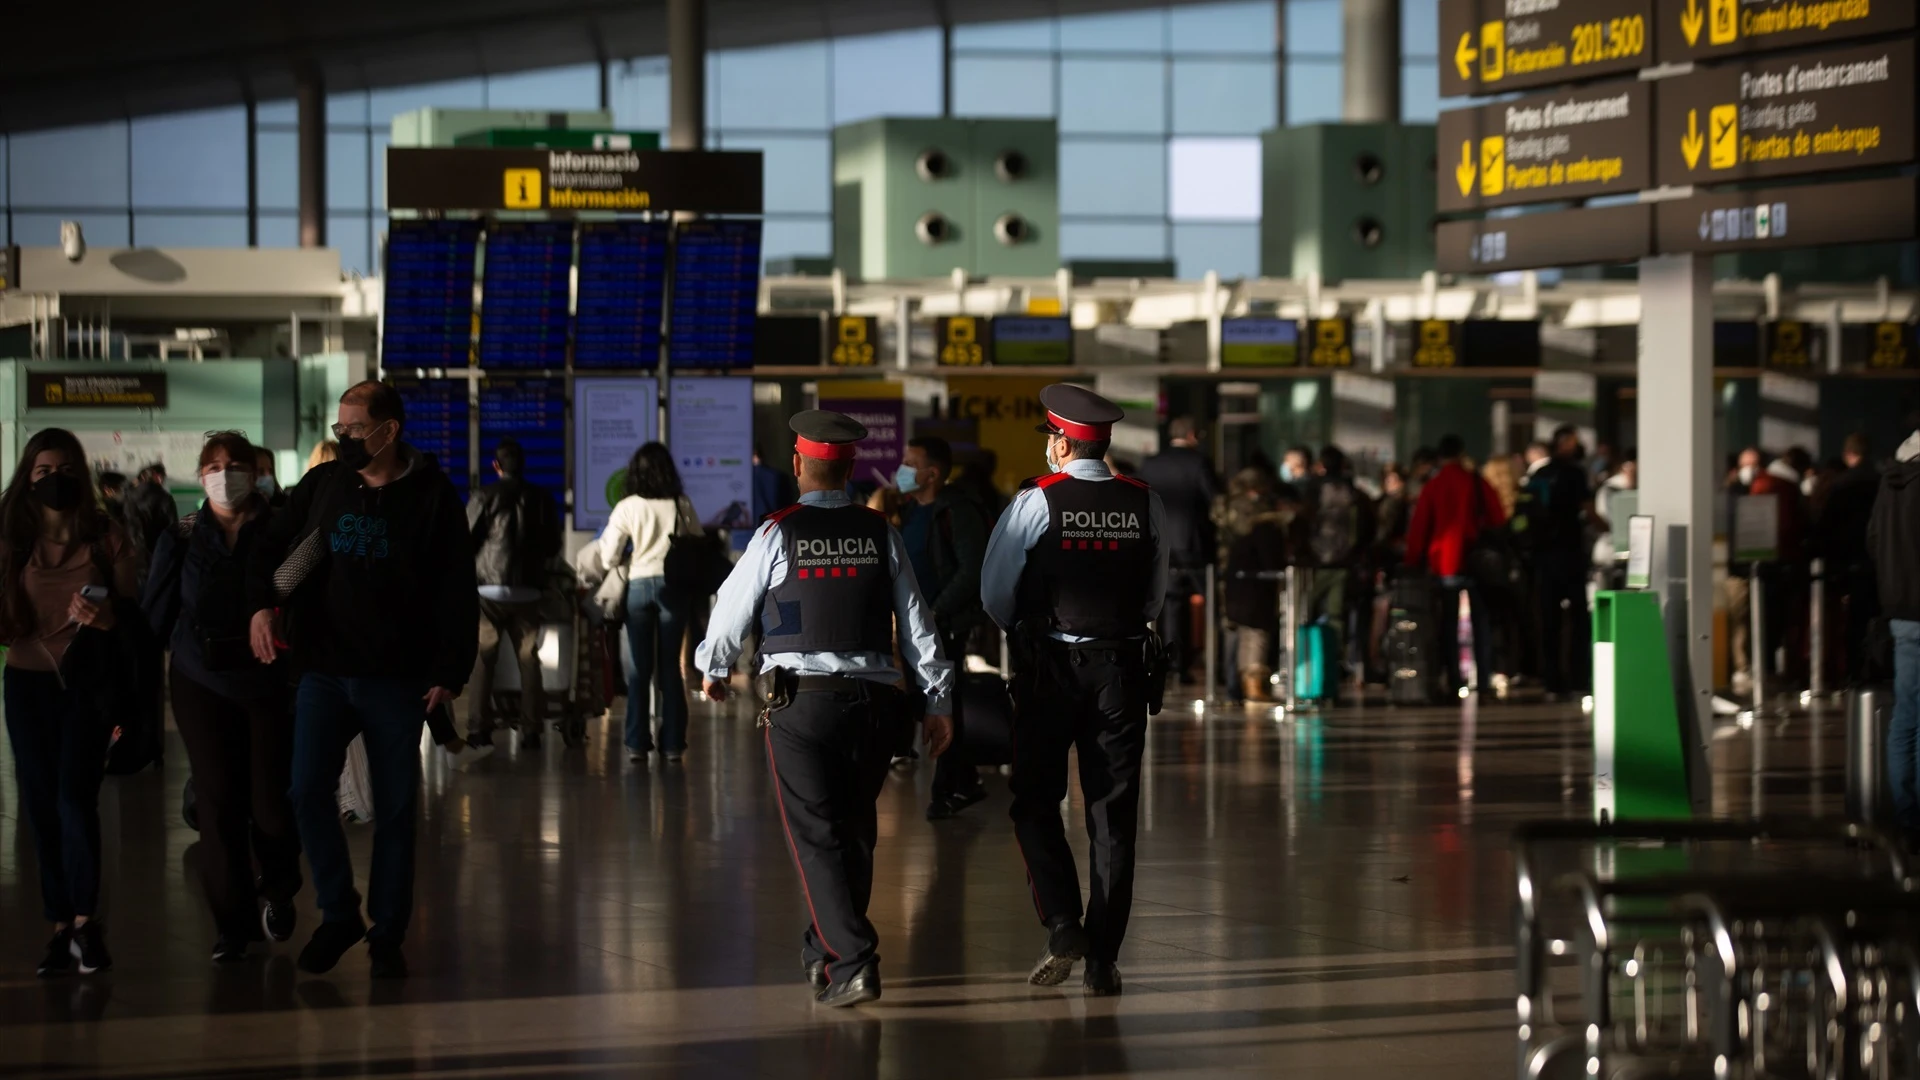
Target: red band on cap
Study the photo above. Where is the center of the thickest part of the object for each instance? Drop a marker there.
(825, 451)
(1083, 432)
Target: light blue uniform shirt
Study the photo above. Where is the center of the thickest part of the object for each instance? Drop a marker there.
(1022, 526)
(764, 566)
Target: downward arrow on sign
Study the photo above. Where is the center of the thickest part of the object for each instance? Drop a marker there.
(1691, 20)
(1464, 172)
(1692, 144)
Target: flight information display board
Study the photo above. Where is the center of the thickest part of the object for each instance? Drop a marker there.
(428, 316)
(716, 291)
(523, 306)
(437, 423)
(533, 411)
(620, 294)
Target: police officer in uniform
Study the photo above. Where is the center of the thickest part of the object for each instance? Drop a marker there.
(825, 579)
(1076, 571)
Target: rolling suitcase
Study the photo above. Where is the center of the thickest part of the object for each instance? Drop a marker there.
(1409, 644)
(1314, 677)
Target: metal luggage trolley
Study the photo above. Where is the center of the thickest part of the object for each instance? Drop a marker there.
(570, 664)
(1719, 950)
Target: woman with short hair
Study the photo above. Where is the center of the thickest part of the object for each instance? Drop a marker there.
(234, 713)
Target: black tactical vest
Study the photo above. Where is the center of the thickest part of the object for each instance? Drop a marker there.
(1090, 574)
(838, 595)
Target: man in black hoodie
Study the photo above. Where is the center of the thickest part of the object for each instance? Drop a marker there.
(1894, 539)
(383, 607)
(1841, 533)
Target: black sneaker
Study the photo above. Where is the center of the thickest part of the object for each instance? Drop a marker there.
(277, 919)
(1066, 944)
(89, 948)
(59, 956)
(946, 806)
(229, 949)
(386, 960)
(328, 944)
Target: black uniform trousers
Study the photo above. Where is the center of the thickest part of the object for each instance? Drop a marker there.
(1092, 701)
(829, 752)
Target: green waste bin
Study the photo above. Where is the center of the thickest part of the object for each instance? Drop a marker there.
(1639, 759)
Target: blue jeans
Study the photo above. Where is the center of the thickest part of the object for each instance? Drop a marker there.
(1449, 629)
(1903, 735)
(656, 624)
(59, 754)
(390, 712)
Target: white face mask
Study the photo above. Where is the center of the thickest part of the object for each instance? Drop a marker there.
(1747, 473)
(1051, 467)
(267, 485)
(228, 488)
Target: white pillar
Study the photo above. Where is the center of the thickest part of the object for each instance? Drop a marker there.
(1675, 405)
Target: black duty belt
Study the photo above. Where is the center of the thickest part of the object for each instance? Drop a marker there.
(1096, 645)
(830, 684)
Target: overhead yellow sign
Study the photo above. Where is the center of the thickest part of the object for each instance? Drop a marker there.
(1435, 348)
(1890, 348)
(854, 340)
(522, 189)
(959, 337)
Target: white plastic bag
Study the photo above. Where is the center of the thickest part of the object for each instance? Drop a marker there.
(356, 785)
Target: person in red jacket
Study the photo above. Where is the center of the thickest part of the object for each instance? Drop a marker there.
(1454, 507)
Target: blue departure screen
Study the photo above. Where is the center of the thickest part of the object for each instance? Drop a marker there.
(716, 292)
(428, 315)
(523, 307)
(533, 411)
(437, 423)
(620, 292)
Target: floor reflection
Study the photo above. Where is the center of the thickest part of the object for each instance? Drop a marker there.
(1316, 892)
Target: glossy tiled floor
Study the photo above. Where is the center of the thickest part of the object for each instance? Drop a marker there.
(1318, 897)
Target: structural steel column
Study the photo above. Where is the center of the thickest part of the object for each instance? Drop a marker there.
(310, 98)
(686, 74)
(1675, 407)
(1371, 72)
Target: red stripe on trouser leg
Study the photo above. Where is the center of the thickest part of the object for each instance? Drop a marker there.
(1013, 746)
(780, 800)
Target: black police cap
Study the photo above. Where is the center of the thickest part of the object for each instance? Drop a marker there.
(1078, 413)
(829, 436)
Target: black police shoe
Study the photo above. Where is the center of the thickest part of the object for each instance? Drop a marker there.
(1102, 978)
(1066, 944)
(330, 942)
(863, 986)
(817, 976)
(385, 960)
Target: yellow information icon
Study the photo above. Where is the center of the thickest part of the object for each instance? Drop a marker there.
(522, 189)
(853, 330)
(1493, 165)
(1723, 136)
(1723, 25)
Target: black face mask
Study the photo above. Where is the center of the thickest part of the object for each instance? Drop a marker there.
(58, 491)
(353, 452)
